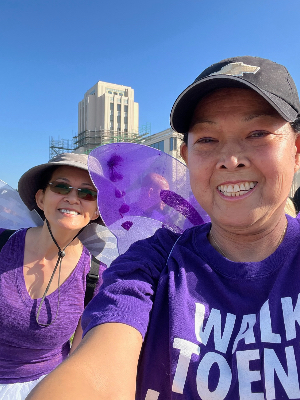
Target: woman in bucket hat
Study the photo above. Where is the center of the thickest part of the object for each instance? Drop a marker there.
(214, 312)
(43, 273)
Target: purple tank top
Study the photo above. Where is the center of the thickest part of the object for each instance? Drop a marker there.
(27, 350)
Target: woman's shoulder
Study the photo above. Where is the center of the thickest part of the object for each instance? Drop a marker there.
(161, 242)
(152, 252)
(294, 224)
(7, 234)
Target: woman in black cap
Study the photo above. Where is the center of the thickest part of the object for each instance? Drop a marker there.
(212, 313)
(43, 273)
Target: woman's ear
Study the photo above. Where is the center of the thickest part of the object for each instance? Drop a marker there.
(95, 215)
(184, 152)
(39, 199)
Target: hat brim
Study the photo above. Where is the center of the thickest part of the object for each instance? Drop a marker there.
(185, 104)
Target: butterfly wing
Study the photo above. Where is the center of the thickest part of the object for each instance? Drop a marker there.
(13, 212)
(141, 189)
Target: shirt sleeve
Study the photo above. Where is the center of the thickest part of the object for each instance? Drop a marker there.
(129, 284)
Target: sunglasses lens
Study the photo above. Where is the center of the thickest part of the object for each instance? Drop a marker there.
(87, 194)
(64, 189)
(60, 188)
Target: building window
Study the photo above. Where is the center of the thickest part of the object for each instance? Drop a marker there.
(111, 106)
(125, 120)
(118, 119)
(125, 109)
(119, 107)
(158, 145)
(173, 143)
(111, 126)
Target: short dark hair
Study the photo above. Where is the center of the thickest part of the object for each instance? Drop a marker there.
(185, 137)
(296, 124)
(46, 178)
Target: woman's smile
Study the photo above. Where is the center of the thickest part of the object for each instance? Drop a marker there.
(236, 189)
(68, 212)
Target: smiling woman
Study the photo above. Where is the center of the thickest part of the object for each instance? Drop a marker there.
(212, 313)
(242, 157)
(43, 274)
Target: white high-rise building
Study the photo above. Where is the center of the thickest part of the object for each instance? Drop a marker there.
(107, 113)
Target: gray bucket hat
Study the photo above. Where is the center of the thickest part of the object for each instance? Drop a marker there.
(34, 179)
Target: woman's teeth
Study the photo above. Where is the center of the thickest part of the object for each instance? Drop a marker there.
(236, 189)
(63, 210)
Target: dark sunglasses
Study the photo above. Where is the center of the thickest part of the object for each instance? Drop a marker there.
(64, 189)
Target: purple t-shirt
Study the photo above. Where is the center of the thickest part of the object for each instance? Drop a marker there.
(27, 350)
(213, 329)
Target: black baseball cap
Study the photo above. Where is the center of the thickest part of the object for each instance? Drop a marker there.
(269, 79)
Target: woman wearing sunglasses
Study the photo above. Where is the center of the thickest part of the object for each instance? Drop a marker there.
(43, 274)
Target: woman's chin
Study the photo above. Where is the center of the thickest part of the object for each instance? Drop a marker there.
(71, 224)
(237, 222)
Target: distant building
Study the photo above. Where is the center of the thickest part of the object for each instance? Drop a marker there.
(168, 141)
(107, 114)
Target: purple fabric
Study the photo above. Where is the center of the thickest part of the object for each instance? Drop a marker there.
(136, 181)
(218, 329)
(27, 350)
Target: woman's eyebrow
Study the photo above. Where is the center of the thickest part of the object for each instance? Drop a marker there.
(62, 178)
(250, 117)
(201, 121)
(67, 180)
(89, 184)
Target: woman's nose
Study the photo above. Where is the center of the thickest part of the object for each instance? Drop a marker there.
(72, 196)
(232, 156)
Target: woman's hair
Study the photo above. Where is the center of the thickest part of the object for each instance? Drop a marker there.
(185, 138)
(44, 180)
(46, 177)
(296, 199)
(290, 208)
(296, 124)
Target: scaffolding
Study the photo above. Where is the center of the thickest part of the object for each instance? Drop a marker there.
(87, 140)
(60, 146)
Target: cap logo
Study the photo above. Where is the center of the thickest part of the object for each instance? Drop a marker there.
(237, 69)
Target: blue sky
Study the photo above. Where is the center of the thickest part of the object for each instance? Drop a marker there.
(53, 51)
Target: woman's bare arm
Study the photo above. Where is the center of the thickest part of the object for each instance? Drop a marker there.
(103, 367)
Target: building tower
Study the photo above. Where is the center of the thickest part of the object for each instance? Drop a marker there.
(106, 114)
